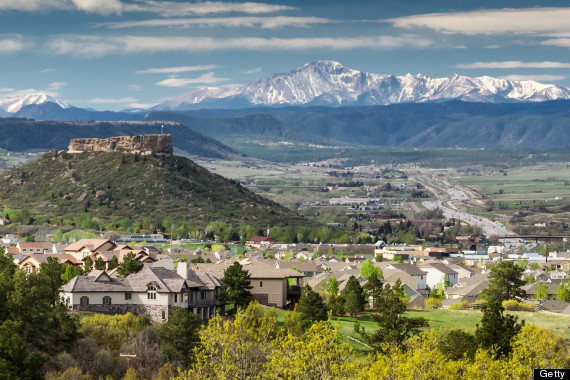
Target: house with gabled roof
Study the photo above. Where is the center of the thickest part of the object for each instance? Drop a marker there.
(152, 291)
(270, 285)
(28, 248)
(419, 275)
(438, 273)
(31, 263)
(86, 247)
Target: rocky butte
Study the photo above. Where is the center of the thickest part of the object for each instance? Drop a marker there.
(144, 144)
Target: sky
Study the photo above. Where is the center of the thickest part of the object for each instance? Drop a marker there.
(120, 54)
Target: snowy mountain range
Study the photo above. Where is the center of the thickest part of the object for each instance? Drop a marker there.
(328, 83)
(13, 104)
(323, 83)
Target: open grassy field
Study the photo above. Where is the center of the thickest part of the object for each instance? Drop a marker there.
(445, 319)
(527, 183)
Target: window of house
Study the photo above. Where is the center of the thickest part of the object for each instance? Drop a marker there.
(163, 314)
(261, 284)
(106, 300)
(151, 292)
(185, 297)
(128, 296)
(175, 297)
(191, 297)
(202, 295)
(84, 300)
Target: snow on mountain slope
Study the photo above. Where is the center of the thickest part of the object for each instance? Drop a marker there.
(13, 104)
(330, 83)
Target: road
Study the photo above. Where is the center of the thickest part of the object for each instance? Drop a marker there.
(456, 194)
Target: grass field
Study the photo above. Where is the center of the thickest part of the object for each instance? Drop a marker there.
(526, 183)
(445, 319)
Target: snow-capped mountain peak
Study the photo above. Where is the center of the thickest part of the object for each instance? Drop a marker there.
(330, 83)
(12, 104)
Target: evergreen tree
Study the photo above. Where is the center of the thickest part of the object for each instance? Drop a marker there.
(88, 266)
(236, 284)
(129, 265)
(504, 283)
(393, 327)
(312, 307)
(373, 288)
(179, 335)
(336, 305)
(355, 299)
(497, 329)
(113, 263)
(100, 264)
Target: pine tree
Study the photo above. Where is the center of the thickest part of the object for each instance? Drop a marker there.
(129, 265)
(236, 284)
(504, 283)
(312, 307)
(113, 263)
(354, 296)
(497, 329)
(373, 288)
(88, 266)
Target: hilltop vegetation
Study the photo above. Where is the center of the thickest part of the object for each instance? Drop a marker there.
(122, 188)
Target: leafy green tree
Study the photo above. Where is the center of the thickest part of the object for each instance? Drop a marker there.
(179, 335)
(15, 361)
(355, 299)
(373, 287)
(7, 270)
(504, 283)
(312, 307)
(70, 272)
(367, 269)
(564, 292)
(129, 265)
(497, 329)
(57, 236)
(332, 286)
(114, 263)
(236, 284)
(393, 327)
(541, 291)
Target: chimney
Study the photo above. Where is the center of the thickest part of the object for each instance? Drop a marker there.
(182, 269)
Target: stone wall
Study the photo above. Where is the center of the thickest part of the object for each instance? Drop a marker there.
(144, 144)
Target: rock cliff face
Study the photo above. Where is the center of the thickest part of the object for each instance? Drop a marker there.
(145, 144)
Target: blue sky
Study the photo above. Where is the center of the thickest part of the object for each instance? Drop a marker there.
(116, 54)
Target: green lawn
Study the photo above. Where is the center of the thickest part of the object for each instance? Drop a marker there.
(444, 319)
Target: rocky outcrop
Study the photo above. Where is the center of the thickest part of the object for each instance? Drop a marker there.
(144, 144)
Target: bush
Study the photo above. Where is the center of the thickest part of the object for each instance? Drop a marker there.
(514, 305)
(433, 303)
(463, 305)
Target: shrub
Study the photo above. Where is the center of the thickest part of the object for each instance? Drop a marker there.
(463, 305)
(433, 303)
(514, 305)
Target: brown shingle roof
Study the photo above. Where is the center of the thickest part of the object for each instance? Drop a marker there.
(440, 267)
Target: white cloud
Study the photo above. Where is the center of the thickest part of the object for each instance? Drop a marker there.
(104, 7)
(56, 85)
(176, 70)
(139, 105)
(525, 20)
(560, 42)
(12, 43)
(29, 91)
(515, 65)
(537, 78)
(50, 70)
(134, 87)
(201, 8)
(111, 100)
(174, 81)
(6, 89)
(252, 71)
(262, 22)
(91, 46)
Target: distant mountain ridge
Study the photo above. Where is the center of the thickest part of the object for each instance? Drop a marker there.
(328, 83)
(13, 104)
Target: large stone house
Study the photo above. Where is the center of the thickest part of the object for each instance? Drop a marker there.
(270, 285)
(152, 291)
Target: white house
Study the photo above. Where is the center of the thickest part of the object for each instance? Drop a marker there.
(414, 271)
(437, 273)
